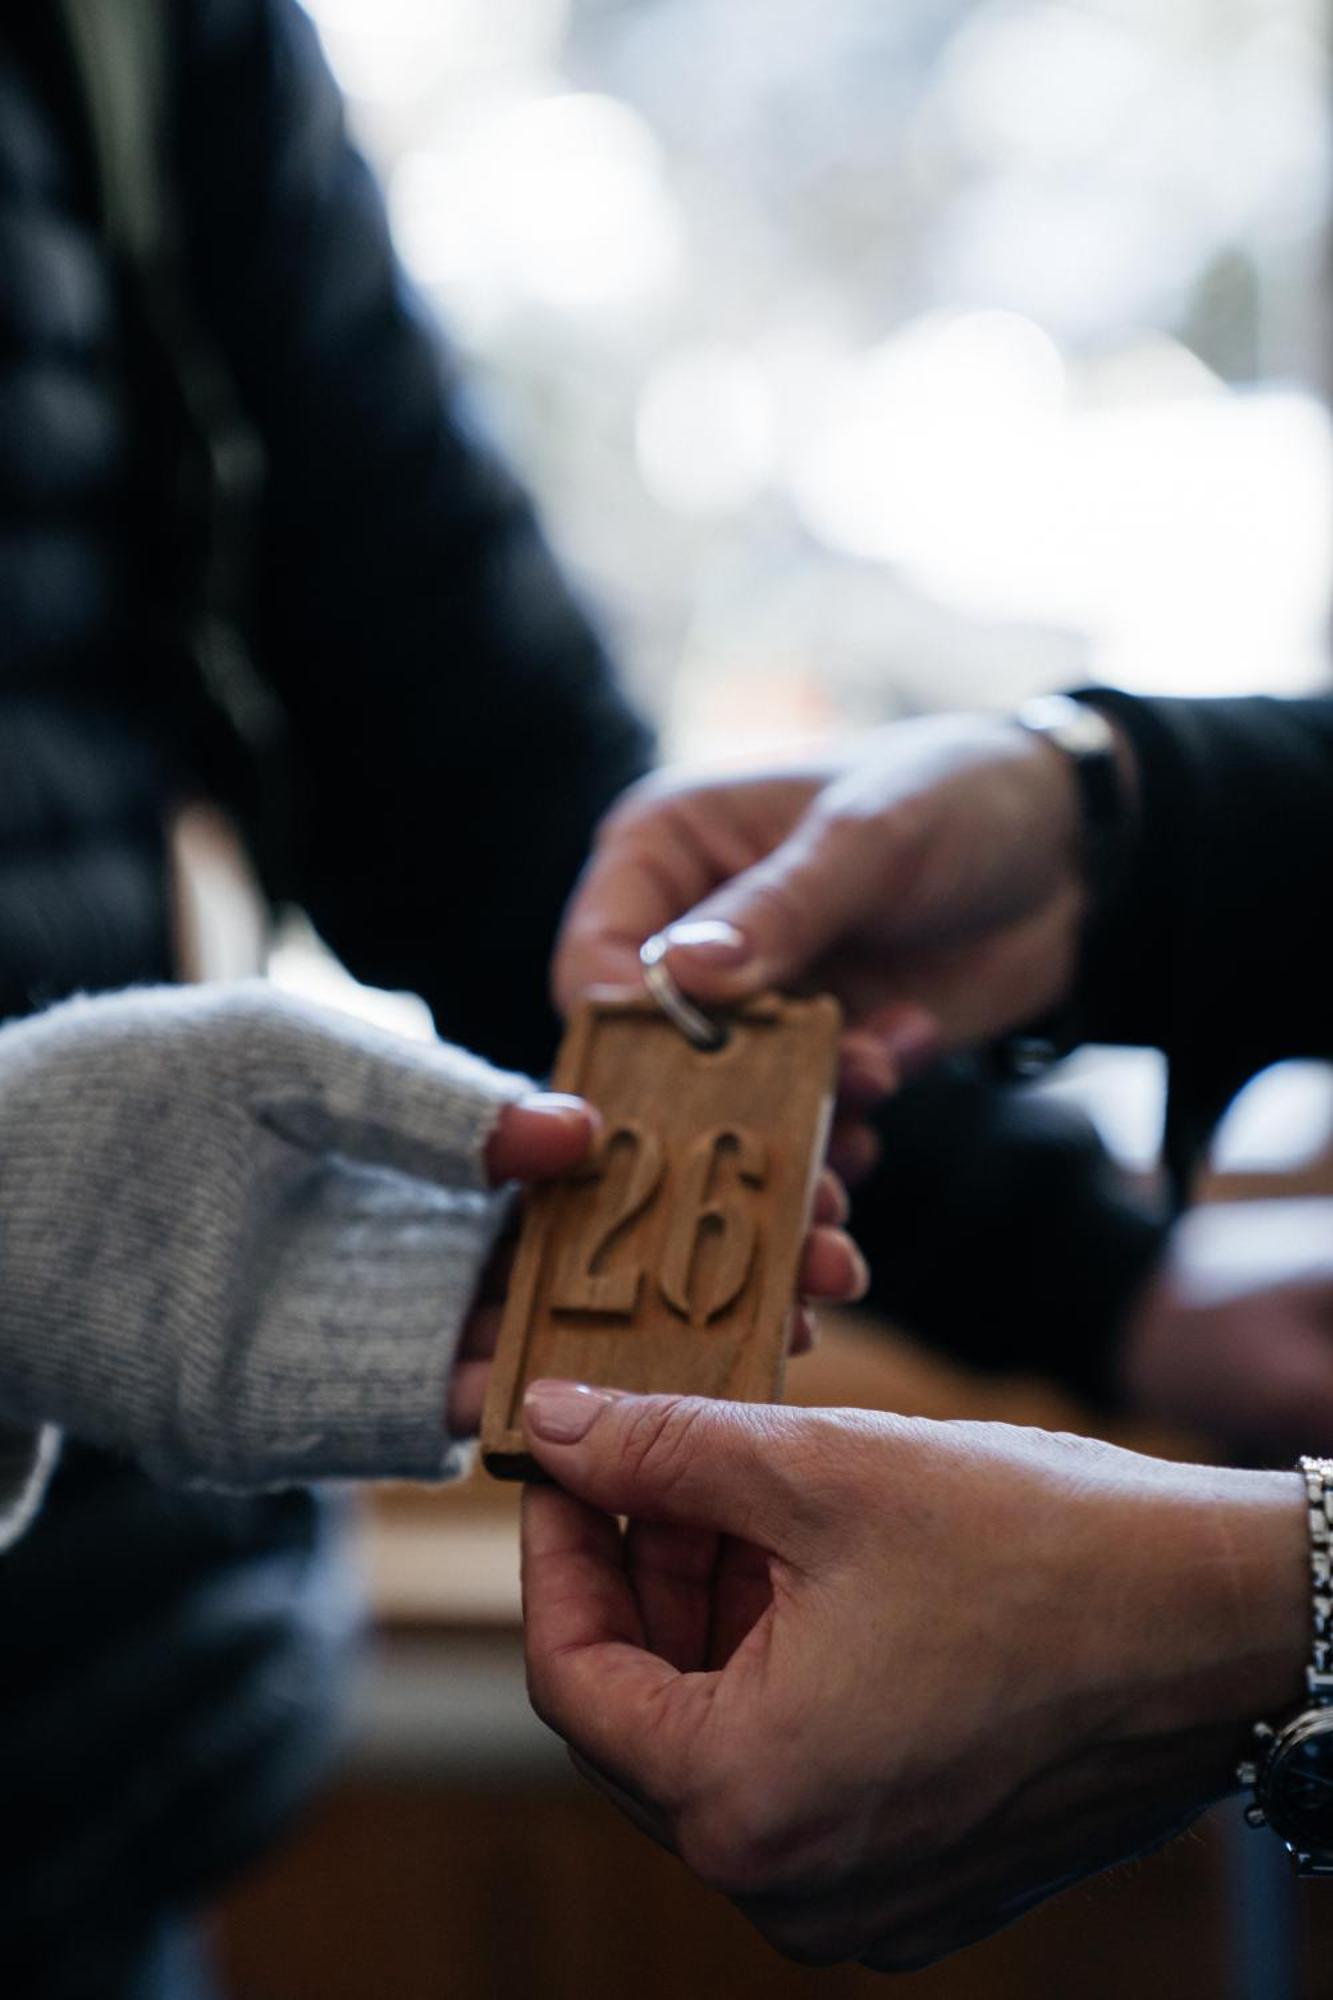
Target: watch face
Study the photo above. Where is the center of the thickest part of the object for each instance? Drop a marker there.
(1297, 1783)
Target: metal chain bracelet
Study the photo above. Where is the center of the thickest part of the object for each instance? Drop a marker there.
(1318, 1474)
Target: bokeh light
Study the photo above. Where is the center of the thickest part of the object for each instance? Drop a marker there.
(555, 200)
(870, 358)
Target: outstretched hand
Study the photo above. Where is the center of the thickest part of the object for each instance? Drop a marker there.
(931, 877)
(936, 865)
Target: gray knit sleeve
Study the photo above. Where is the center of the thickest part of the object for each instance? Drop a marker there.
(240, 1236)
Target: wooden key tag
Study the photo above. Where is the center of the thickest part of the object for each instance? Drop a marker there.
(669, 1262)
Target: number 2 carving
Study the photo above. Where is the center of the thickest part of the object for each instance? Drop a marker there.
(710, 1238)
(580, 1285)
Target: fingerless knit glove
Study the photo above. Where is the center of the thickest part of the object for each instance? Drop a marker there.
(239, 1237)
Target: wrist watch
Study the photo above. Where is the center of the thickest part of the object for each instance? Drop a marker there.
(1291, 1771)
(1087, 739)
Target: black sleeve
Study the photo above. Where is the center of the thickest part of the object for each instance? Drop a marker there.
(998, 1229)
(1212, 946)
(455, 729)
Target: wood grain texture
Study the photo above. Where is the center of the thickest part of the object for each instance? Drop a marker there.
(422, 1889)
(670, 1261)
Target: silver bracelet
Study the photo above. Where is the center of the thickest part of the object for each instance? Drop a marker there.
(1319, 1495)
(1291, 1770)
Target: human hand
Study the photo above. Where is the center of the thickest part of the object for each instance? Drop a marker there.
(1234, 1337)
(536, 1138)
(887, 1682)
(242, 1233)
(933, 870)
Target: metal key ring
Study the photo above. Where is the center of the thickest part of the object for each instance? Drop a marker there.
(694, 1024)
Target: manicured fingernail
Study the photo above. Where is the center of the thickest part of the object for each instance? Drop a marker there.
(709, 938)
(563, 1412)
(555, 1104)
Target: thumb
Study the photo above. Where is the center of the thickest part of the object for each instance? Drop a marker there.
(772, 923)
(540, 1136)
(736, 1468)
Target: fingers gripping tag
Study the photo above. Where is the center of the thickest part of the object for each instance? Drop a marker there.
(669, 1262)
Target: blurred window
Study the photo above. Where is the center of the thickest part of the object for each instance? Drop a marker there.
(875, 358)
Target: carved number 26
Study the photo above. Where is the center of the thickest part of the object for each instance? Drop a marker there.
(701, 1212)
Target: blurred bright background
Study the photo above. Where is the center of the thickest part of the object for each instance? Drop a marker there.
(869, 357)
(874, 356)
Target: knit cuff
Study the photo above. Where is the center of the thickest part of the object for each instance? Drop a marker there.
(341, 1369)
(27, 1460)
(242, 1237)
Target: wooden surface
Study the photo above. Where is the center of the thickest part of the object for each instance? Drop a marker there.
(670, 1262)
(544, 1893)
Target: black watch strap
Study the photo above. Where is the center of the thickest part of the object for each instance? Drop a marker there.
(1086, 738)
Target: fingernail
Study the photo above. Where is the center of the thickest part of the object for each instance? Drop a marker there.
(563, 1412)
(556, 1104)
(719, 943)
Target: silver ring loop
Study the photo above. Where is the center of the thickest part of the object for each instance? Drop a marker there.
(694, 1024)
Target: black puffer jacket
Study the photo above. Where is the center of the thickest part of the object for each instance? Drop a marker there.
(452, 727)
(452, 733)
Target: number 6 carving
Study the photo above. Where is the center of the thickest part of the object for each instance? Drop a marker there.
(698, 1213)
